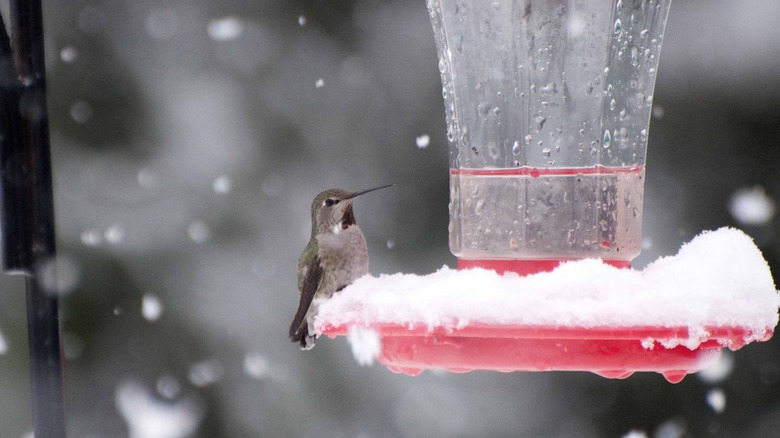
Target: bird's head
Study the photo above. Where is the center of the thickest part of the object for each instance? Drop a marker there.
(331, 210)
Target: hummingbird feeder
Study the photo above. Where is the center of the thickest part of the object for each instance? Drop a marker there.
(548, 105)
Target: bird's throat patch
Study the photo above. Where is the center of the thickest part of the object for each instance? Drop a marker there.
(348, 218)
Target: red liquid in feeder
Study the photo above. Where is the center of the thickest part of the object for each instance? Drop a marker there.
(546, 213)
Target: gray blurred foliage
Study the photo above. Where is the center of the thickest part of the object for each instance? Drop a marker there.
(149, 111)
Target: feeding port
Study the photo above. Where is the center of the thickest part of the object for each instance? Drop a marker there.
(547, 108)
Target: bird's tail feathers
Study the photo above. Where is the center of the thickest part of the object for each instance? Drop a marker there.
(301, 335)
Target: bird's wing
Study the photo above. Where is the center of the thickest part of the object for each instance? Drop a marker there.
(310, 284)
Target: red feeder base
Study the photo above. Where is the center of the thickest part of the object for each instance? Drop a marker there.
(612, 352)
(608, 352)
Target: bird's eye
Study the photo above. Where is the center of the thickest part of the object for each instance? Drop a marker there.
(329, 202)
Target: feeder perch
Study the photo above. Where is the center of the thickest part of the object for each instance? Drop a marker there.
(548, 106)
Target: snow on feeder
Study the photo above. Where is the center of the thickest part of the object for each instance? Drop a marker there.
(548, 105)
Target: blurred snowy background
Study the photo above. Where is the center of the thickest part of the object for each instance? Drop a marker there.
(188, 141)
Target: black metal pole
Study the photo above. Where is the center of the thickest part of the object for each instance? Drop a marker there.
(27, 203)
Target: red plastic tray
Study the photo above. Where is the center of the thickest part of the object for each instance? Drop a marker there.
(608, 352)
(612, 352)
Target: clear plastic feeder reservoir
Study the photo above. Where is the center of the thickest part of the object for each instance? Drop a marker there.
(548, 104)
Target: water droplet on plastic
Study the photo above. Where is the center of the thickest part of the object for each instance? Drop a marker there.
(612, 104)
(319, 83)
(570, 237)
(516, 148)
(493, 150)
(546, 152)
(301, 20)
(621, 135)
(483, 109)
(549, 89)
(465, 140)
(607, 139)
(539, 121)
(423, 141)
(618, 26)
(528, 139)
(479, 207)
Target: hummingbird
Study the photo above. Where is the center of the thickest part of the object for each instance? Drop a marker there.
(335, 256)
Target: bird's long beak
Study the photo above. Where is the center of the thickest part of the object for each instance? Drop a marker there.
(362, 192)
